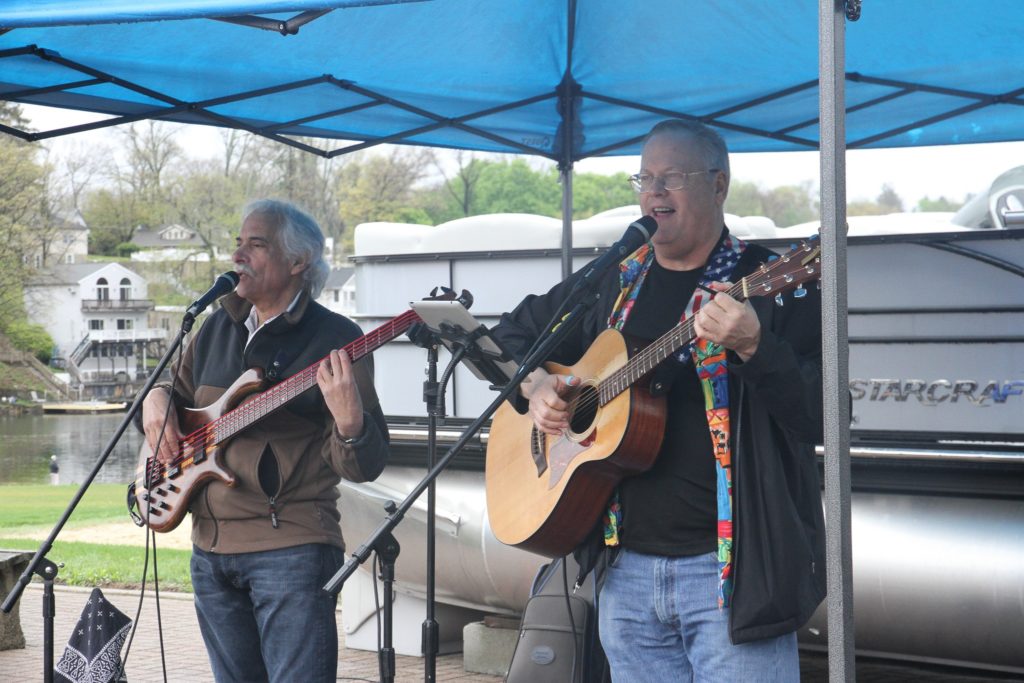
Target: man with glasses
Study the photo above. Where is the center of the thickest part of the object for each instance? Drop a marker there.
(715, 554)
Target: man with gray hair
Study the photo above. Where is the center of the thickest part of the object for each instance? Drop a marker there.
(702, 580)
(263, 550)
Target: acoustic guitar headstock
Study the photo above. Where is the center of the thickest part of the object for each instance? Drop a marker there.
(788, 272)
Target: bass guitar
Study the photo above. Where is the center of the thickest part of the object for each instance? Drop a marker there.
(545, 493)
(162, 492)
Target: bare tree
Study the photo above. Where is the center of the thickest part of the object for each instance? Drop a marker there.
(237, 146)
(135, 190)
(208, 203)
(380, 187)
(461, 183)
(151, 151)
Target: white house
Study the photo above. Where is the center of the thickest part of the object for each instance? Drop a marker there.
(97, 316)
(65, 241)
(339, 293)
(170, 243)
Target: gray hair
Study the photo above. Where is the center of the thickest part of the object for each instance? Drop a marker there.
(300, 238)
(710, 144)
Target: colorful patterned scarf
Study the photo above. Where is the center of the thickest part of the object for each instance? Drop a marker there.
(710, 362)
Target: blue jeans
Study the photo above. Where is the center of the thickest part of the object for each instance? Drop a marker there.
(264, 615)
(660, 622)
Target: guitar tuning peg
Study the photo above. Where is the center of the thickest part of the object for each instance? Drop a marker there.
(778, 299)
(818, 285)
(773, 257)
(800, 292)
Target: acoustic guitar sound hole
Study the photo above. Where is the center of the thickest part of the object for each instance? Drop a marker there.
(584, 410)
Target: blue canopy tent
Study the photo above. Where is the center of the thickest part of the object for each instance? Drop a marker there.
(563, 80)
(518, 76)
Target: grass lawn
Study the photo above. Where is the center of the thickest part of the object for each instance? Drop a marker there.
(35, 509)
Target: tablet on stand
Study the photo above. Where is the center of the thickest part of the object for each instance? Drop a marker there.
(455, 326)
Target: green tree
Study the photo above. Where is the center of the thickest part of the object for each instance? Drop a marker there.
(380, 187)
(940, 204)
(744, 199)
(209, 203)
(593, 193)
(21, 187)
(112, 217)
(786, 205)
(32, 338)
(888, 200)
(514, 187)
(135, 192)
(460, 185)
(790, 204)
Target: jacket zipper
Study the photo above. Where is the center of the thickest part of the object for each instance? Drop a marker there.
(272, 499)
(273, 511)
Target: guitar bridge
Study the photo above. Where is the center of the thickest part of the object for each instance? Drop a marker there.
(537, 448)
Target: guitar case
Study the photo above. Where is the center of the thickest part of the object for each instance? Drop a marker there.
(548, 650)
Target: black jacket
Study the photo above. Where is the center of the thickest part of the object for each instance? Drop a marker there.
(776, 415)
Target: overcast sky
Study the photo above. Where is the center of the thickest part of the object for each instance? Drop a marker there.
(952, 171)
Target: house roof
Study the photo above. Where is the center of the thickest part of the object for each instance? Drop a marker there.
(155, 239)
(338, 277)
(75, 273)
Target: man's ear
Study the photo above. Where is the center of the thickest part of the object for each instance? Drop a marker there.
(721, 187)
(298, 266)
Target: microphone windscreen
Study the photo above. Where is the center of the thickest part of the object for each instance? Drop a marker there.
(646, 224)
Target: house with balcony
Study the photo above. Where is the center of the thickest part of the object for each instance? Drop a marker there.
(97, 314)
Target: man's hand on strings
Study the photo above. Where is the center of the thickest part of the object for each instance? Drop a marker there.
(338, 385)
(548, 394)
(154, 408)
(727, 322)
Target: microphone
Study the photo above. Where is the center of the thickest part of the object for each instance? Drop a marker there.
(637, 234)
(225, 282)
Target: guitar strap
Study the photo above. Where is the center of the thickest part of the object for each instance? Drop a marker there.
(710, 362)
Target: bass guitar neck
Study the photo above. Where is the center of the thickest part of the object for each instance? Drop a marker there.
(163, 491)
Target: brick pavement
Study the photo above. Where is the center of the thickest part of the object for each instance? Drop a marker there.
(187, 663)
(185, 655)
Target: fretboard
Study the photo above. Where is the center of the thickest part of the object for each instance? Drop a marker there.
(782, 274)
(270, 400)
(660, 349)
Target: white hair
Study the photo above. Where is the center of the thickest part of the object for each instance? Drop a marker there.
(300, 238)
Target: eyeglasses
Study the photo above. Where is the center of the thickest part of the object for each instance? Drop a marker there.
(645, 182)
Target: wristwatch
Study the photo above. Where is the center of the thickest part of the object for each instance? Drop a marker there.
(352, 440)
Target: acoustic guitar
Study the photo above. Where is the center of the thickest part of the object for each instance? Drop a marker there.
(163, 492)
(545, 493)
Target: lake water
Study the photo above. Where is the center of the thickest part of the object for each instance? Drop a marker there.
(26, 444)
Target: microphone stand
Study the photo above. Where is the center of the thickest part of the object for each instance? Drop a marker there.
(39, 564)
(397, 512)
(434, 397)
(421, 335)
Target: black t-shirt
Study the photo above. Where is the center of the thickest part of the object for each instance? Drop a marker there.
(671, 509)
